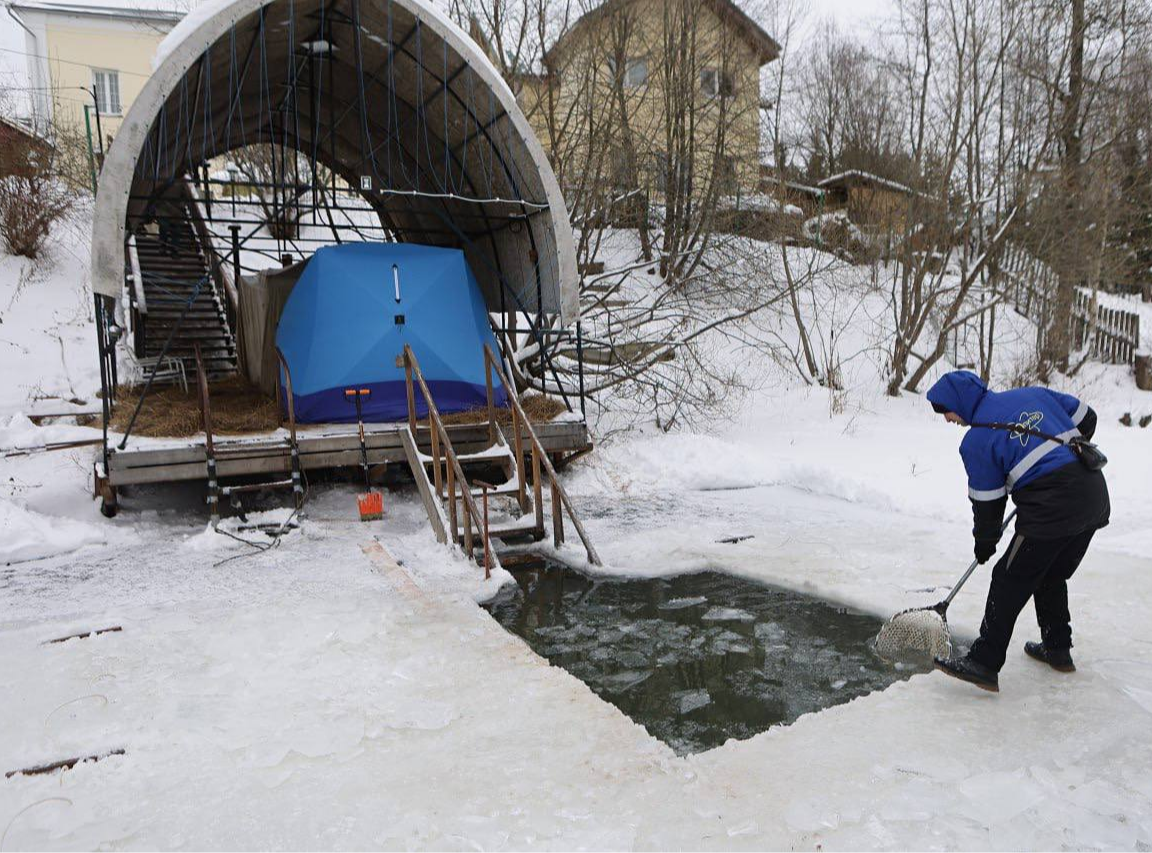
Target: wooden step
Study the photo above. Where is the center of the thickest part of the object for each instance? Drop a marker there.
(513, 530)
(491, 455)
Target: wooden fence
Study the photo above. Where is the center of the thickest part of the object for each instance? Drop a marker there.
(1111, 335)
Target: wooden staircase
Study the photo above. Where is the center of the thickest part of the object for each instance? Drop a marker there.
(178, 293)
(470, 512)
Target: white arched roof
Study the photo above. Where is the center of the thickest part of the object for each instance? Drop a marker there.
(430, 123)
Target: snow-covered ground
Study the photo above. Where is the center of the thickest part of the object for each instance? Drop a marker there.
(321, 695)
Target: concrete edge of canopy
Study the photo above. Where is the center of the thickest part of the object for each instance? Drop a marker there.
(116, 177)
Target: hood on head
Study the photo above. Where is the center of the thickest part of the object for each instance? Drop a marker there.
(959, 391)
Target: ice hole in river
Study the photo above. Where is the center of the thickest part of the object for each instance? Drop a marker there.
(696, 658)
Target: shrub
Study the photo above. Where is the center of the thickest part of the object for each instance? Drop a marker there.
(31, 200)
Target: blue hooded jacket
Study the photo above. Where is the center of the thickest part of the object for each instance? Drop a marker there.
(998, 461)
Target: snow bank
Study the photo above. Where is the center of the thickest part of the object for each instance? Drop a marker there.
(27, 535)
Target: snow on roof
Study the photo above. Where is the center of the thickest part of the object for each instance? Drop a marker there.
(793, 185)
(157, 10)
(866, 177)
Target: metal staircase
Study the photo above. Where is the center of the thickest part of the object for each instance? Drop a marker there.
(513, 510)
(176, 297)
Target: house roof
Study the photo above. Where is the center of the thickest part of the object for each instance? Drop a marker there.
(17, 126)
(765, 47)
(157, 12)
(856, 177)
(768, 177)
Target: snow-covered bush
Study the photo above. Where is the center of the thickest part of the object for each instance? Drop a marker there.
(835, 232)
(31, 200)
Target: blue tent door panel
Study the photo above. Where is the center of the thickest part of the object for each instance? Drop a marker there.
(352, 311)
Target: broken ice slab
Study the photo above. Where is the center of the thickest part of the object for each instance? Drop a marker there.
(727, 614)
(621, 681)
(690, 700)
(681, 603)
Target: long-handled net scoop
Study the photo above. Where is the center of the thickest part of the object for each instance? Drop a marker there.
(924, 629)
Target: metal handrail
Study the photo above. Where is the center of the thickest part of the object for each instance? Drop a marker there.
(288, 390)
(137, 276)
(539, 457)
(209, 445)
(455, 471)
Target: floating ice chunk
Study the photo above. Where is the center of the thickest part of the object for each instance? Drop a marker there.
(631, 659)
(727, 614)
(768, 632)
(621, 681)
(681, 603)
(691, 700)
(838, 683)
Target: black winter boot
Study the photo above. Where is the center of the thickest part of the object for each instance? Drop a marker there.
(969, 670)
(1059, 659)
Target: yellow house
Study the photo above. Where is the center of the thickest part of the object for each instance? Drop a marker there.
(646, 93)
(88, 56)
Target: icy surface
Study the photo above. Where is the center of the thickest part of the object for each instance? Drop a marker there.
(305, 697)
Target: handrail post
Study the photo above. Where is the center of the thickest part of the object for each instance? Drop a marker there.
(209, 448)
(467, 526)
(484, 487)
(537, 495)
(411, 393)
(294, 449)
(557, 516)
(437, 479)
(518, 444)
(455, 528)
(491, 397)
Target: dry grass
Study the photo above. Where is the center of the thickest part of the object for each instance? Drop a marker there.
(238, 408)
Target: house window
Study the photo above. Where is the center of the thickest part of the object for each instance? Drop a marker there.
(635, 71)
(107, 86)
(714, 82)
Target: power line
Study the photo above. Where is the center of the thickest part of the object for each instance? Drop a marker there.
(67, 61)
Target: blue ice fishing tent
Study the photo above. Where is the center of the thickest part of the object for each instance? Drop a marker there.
(353, 309)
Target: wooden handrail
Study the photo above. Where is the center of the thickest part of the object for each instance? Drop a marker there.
(538, 453)
(455, 472)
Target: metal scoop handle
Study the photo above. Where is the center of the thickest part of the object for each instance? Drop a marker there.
(943, 605)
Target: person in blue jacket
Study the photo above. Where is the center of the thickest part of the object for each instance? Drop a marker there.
(1060, 504)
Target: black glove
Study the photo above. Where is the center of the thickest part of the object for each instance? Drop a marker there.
(984, 550)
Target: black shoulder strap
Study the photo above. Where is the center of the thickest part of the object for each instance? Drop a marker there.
(1023, 430)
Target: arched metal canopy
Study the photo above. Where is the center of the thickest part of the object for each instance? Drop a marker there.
(388, 94)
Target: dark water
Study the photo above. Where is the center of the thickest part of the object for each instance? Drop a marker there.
(701, 658)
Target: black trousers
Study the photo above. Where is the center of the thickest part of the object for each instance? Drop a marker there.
(1031, 568)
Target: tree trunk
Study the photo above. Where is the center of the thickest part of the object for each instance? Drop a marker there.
(1057, 340)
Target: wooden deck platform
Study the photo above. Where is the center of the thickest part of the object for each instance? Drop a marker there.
(320, 447)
